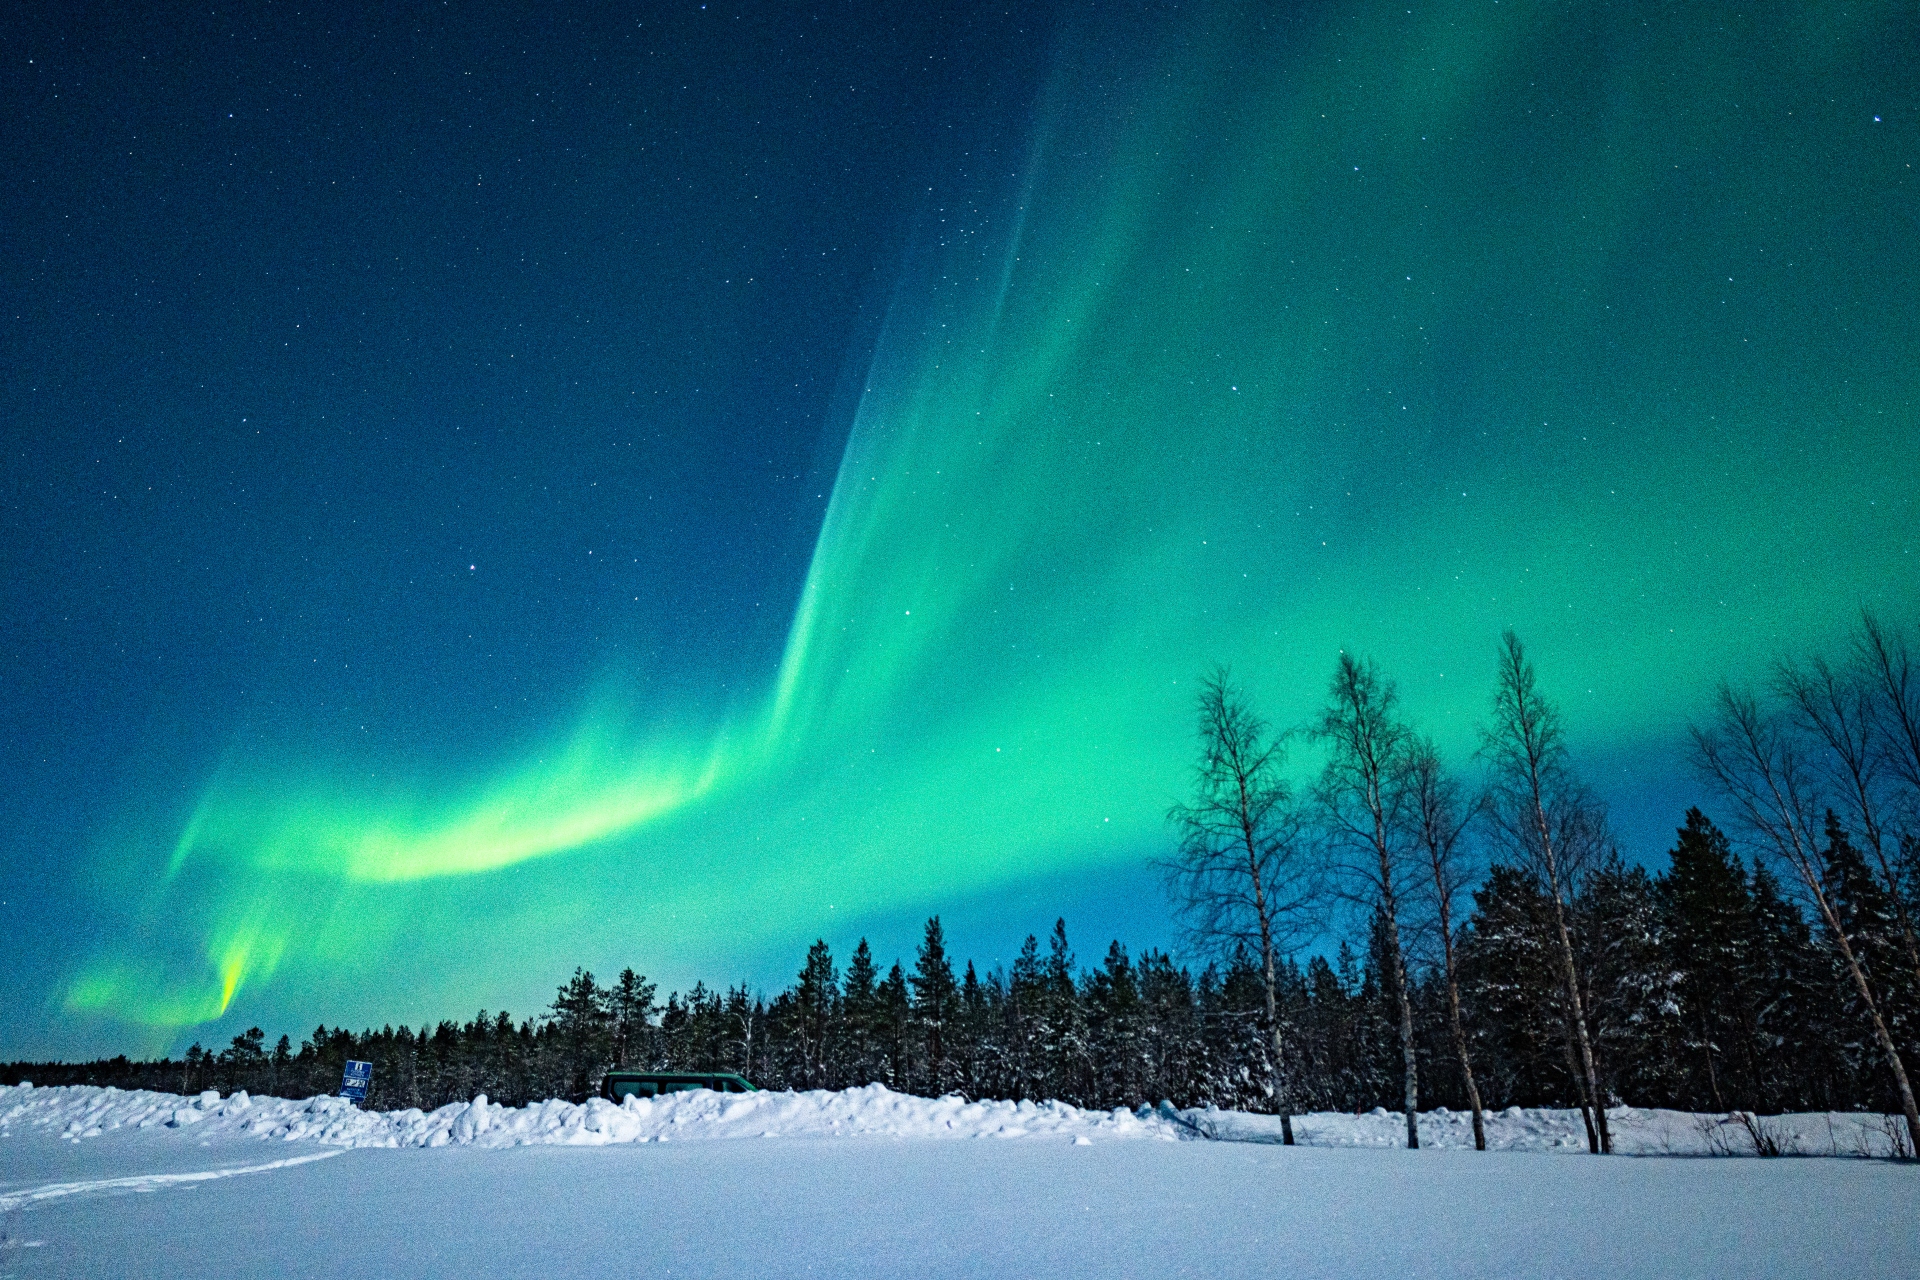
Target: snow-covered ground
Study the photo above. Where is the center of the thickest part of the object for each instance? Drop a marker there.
(868, 1183)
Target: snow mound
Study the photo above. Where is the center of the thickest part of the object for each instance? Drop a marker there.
(1641, 1131)
(82, 1111)
(79, 1112)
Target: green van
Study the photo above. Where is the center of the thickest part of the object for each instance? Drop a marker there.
(619, 1085)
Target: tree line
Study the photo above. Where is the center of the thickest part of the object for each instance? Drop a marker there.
(1707, 986)
(1496, 948)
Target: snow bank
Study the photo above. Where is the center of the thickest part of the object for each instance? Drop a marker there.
(80, 1112)
(1638, 1131)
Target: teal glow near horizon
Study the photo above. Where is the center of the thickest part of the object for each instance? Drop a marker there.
(1383, 333)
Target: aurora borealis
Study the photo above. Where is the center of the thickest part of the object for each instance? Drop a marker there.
(670, 507)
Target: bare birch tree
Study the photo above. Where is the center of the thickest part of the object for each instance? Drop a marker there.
(1440, 820)
(1553, 826)
(1364, 815)
(1882, 654)
(1759, 767)
(1241, 875)
(1835, 714)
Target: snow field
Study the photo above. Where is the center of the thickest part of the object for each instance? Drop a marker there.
(884, 1208)
(872, 1187)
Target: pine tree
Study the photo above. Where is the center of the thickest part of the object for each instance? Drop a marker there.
(630, 1010)
(1800, 1064)
(1630, 984)
(743, 1046)
(860, 1017)
(1116, 1019)
(895, 1023)
(1322, 1031)
(1868, 916)
(1515, 996)
(1714, 943)
(934, 999)
(1236, 1045)
(1170, 1032)
(1374, 1014)
(1028, 1030)
(1862, 905)
(816, 1005)
(282, 1062)
(1068, 1071)
(971, 1035)
(681, 1030)
(583, 1031)
(243, 1063)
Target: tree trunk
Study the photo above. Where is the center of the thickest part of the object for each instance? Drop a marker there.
(1713, 1077)
(1600, 1143)
(1276, 1076)
(1453, 1018)
(1408, 1058)
(1532, 741)
(1581, 1098)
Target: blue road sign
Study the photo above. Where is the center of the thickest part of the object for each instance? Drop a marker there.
(354, 1083)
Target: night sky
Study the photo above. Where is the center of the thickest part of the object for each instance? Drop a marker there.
(494, 489)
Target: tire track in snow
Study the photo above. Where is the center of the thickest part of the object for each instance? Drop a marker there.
(146, 1182)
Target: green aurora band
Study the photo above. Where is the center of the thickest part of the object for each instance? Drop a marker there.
(1384, 333)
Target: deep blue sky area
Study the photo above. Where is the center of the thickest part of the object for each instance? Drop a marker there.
(485, 488)
(385, 354)
(421, 289)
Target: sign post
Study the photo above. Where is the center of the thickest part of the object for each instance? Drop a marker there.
(354, 1083)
